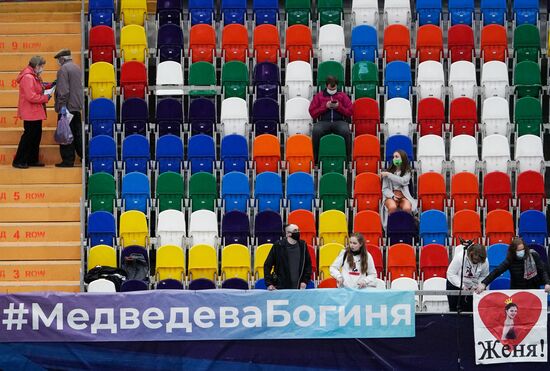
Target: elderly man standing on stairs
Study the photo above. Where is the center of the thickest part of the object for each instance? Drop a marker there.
(68, 98)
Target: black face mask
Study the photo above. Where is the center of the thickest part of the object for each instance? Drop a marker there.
(355, 253)
(295, 236)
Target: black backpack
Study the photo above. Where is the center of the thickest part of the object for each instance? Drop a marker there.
(115, 275)
(136, 267)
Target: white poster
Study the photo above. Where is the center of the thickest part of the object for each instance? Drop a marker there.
(510, 326)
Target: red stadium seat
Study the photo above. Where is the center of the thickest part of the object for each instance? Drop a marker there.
(235, 43)
(266, 43)
(499, 227)
(397, 43)
(494, 43)
(367, 191)
(305, 220)
(328, 283)
(299, 153)
(429, 43)
(133, 79)
(366, 153)
(466, 225)
(298, 43)
(464, 191)
(434, 260)
(497, 191)
(530, 191)
(376, 254)
(431, 191)
(102, 44)
(431, 116)
(461, 43)
(313, 258)
(463, 116)
(369, 224)
(202, 43)
(366, 116)
(401, 261)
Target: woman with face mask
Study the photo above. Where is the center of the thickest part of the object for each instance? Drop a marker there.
(332, 109)
(354, 266)
(527, 270)
(32, 110)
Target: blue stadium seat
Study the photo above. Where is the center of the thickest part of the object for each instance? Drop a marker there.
(235, 191)
(396, 142)
(201, 11)
(268, 191)
(429, 12)
(398, 79)
(136, 191)
(169, 11)
(267, 80)
(266, 11)
(101, 228)
(135, 153)
(461, 11)
(169, 116)
(170, 43)
(364, 43)
(202, 116)
(102, 116)
(300, 191)
(169, 153)
(235, 228)
(526, 12)
(102, 152)
(541, 250)
(532, 227)
(201, 153)
(268, 227)
(234, 153)
(235, 283)
(233, 11)
(135, 115)
(401, 228)
(169, 284)
(265, 116)
(501, 283)
(134, 285)
(202, 284)
(101, 12)
(496, 254)
(493, 11)
(260, 284)
(433, 227)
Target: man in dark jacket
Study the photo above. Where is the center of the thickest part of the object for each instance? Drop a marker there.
(288, 265)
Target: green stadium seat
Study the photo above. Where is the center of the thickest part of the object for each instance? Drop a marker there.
(235, 79)
(203, 191)
(298, 12)
(330, 11)
(528, 116)
(364, 79)
(330, 68)
(202, 74)
(332, 154)
(526, 43)
(170, 191)
(101, 192)
(527, 79)
(333, 192)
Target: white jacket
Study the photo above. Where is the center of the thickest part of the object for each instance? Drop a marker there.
(473, 273)
(341, 269)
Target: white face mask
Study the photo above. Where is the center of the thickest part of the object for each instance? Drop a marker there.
(520, 254)
(332, 91)
(39, 70)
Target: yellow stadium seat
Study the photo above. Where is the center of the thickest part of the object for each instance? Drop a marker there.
(327, 254)
(103, 255)
(333, 227)
(203, 262)
(133, 229)
(260, 255)
(236, 262)
(133, 42)
(102, 81)
(170, 263)
(134, 11)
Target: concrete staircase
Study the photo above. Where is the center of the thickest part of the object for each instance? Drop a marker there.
(39, 207)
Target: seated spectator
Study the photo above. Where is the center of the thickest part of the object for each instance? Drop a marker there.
(395, 186)
(354, 266)
(331, 109)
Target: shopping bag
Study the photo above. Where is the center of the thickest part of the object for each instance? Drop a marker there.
(63, 134)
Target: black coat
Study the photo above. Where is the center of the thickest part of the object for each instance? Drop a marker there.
(516, 268)
(278, 261)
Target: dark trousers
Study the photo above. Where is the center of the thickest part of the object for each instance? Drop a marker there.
(466, 302)
(67, 151)
(322, 128)
(29, 144)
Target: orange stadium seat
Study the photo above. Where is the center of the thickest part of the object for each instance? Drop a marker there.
(367, 191)
(366, 153)
(401, 261)
(464, 191)
(431, 191)
(299, 153)
(499, 227)
(494, 43)
(397, 43)
(305, 220)
(378, 259)
(369, 224)
(266, 153)
(298, 43)
(266, 44)
(235, 43)
(466, 225)
(429, 43)
(202, 43)
(434, 260)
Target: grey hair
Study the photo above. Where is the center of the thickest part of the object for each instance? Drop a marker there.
(37, 61)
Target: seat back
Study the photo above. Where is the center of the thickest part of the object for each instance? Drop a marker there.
(366, 116)
(134, 11)
(532, 227)
(432, 191)
(433, 227)
(366, 153)
(495, 152)
(266, 153)
(364, 80)
(201, 153)
(133, 43)
(233, 11)
(133, 79)
(494, 79)
(201, 11)
(365, 12)
(397, 43)
(169, 79)
(527, 79)
(235, 262)
(333, 227)
(136, 192)
(268, 227)
(332, 154)
(530, 190)
(202, 43)
(494, 43)
(368, 223)
(203, 228)
(364, 43)
(526, 43)
(265, 116)
(235, 228)
(466, 225)
(101, 255)
(260, 255)
(202, 191)
(493, 11)
(102, 154)
(234, 116)
(266, 43)
(462, 79)
(299, 43)
(499, 227)
(497, 191)
(170, 191)
(401, 228)
(234, 153)
(268, 191)
(332, 44)
(463, 116)
(235, 191)
(299, 80)
(327, 254)
(235, 79)
(235, 42)
(464, 191)
(101, 44)
(305, 220)
(299, 153)
(398, 117)
(101, 192)
(398, 80)
(169, 154)
(102, 116)
(431, 116)
(528, 116)
(431, 79)
(367, 192)
(133, 229)
(203, 262)
(170, 263)
(171, 228)
(428, 12)
(434, 260)
(431, 153)
(101, 12)
(170, 42)
(429, 42)
(495, 116)
(401, 261)
(461, 12)
(460, 41)
(101, 228)
(102, 81)
(333, 191)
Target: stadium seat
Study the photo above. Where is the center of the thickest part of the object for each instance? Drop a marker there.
(466, 225)
(202, 79)
(532, 227)
(169, 154)
(170, 43)
(401, 228)
(328, 283)
(169, 79)
(235, 43)
(298, 12)
(366, 153)
(434, 260)
(235, 262)
(133, 43)
(233, 11)
(461, 12)
(268, 227)
(202, 43)
(169, 12)
(136, 192)
(428, 12)
(266, 11)
(366, 116)
(134, 285)
(462, 80)
(494, 43)
(433, 227)
(235, 80)
(268, 191)
(102, 80)
(266, 80)
(367, 192)
(435, 303)
(497, 191)
(396, 142)
(305, 220)
(202, 284)
(332, 46)
(234, 116)
(494, 79)
(364, 80)
(530, 191)
(201, 153)
(431, 80)
(526, 43)
(134, 229)
(203, 191)
(528, 116)
(135, 153)
(496, 254)
(460, 42)
(499, 227)
(203, 228)
(431, 116)
(265, 116)
(299, 154)
(266, 44)
(493, 12)
(527, 79)
(202, 116)
(495, 116)
(401, 261)
(368, 223)
(169, 117)
(327, 254)
(398, 80)
(235, 192)
(464, 191)
(102, 285)
(330, 12)
(170, 263)
(298, 43)
(133, 80)
(298, 80)
(234, 153)
(431, 191)
(101, 192)
(266, 153)
(365, 12)
(300, 191)
(171, 228)
(260, 255)
(332, 154)
(463, 117)
(364, 44)
(526, 12)
(397, 43)
(101, 12)
(429, 42)
(102, 116)
(101, 44)
(203, 263)
(495, 153)
(133, 12)
(333, 192)
(529, 154)
(101, 255)
(135, 116)
(201, 11)
(430, 154)
(101, 229)
(333, 227)
(397, 11)
(169, 285)
(102, 154)
(398, 117)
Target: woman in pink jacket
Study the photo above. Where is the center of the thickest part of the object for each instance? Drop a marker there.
(32, 110)
(331, 109)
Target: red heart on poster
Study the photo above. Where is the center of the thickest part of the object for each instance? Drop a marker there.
(491, 309)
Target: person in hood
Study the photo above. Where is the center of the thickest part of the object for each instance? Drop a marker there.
(332, 109)
(32, 110)
(288, 265)
(354, 266)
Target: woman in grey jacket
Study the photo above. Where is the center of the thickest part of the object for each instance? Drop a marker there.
(395, 186)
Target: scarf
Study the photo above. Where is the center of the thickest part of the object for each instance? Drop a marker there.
(529, 267)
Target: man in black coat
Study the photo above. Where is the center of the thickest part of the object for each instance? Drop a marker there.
(288, 265)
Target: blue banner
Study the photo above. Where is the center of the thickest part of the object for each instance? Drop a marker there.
(168, 315)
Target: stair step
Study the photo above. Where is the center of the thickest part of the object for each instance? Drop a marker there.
(40, 175)
(10, 98)
(22, 28)
(40, 250)
(49, 154)
(7, 79)
(43, 193)
(26, 18)
(41, 7)
(39, 232)
(40, 270)
(14, 61)
(39, 286)
(39, 43)
(40, 212)
(11, 136)
(9, 119)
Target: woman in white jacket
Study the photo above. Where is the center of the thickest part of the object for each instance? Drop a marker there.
(354, 266)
